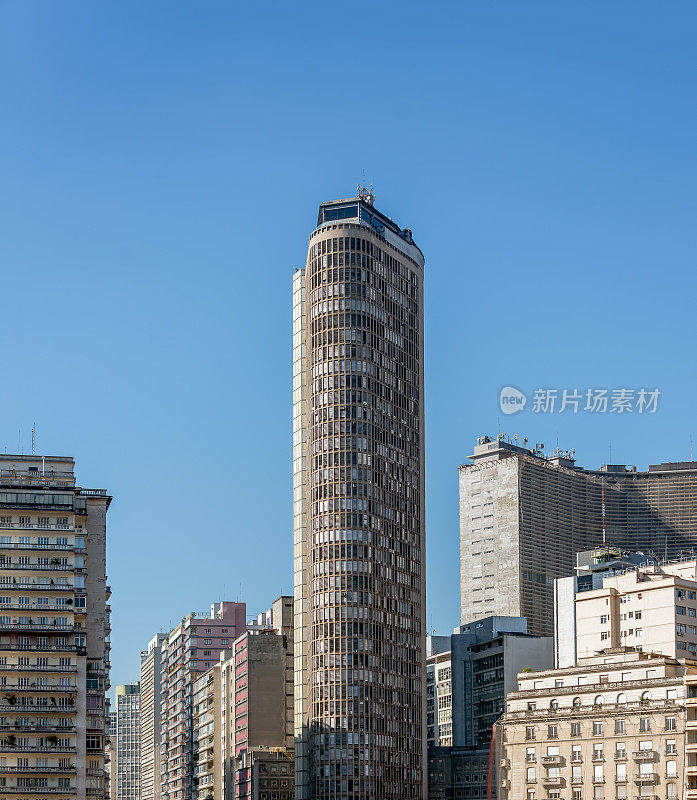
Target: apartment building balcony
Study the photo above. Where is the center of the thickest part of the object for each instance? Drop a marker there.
(42, 648)
(70, 770)
(552, 782)
(40, 667)
(20, 709)
(35, 626)
(33, 687)
(38, 567)
(37, 610)
(645, 755)
(37, 728)
(552, 761)
(66, 791)
(36, 546)
(5, 747)
(39, 586)
(691, 793)
(646, 777)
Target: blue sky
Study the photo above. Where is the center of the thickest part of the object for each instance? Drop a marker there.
(162, 164)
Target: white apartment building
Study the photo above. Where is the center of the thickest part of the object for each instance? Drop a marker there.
(439, 700)
(611, 728)
(651, 608)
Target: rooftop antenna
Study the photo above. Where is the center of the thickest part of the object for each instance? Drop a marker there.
(33, 439)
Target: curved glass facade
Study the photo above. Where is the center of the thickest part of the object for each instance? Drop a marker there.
(360, 546)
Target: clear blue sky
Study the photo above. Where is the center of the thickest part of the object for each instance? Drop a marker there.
(162, 164)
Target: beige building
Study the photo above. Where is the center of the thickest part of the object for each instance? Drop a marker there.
(150, 711)
(651, 608)
(524, 515)
(358, 499)
(54, 627)
(610, 728)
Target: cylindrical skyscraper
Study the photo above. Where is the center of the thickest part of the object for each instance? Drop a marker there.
(358, 484)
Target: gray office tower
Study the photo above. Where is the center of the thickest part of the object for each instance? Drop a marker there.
(358, 493)
(524, 516)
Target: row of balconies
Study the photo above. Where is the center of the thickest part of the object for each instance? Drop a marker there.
(70, 769)
(29, 790)
(38, 567)
(6, 747)
(34, 687)
(42, 648)
(638, 777)
(40, 667)
(35, 626)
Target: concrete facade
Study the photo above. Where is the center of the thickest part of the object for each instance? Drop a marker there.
(54, 628)
(150, 711)
(524, 516)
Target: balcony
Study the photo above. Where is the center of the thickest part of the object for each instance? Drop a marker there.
(552, 782)
(645, 755)
(35, 546)
(21, 770)
(24, 790)
(39, 729)
(40, 667)
(39, 587)
(552, 761)
(646, 777)
(15, 748)
(35, 626)
(38, 567)
(41, 648)
(18, 709)
(33, 687)
(37, 610)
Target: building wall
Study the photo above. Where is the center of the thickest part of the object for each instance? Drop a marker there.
(191, 648)
(150, 710)
(605, 728)
(362, 556)
(648, 608)
(531, 514)
(489, 540)
(127, 740)
(54, 623)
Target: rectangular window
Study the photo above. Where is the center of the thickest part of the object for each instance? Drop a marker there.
(575, 728)
(552, 732)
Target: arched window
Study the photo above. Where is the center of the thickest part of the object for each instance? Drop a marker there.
(598, 700)
(621, 699)
(577, 702)
(645, 696)
(554, 704)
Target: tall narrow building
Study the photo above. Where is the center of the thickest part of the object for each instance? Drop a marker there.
(54, 626)
(358, 495)
(127, 737)
(150, 718)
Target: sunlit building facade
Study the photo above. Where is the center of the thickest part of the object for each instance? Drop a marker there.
(358, 457)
